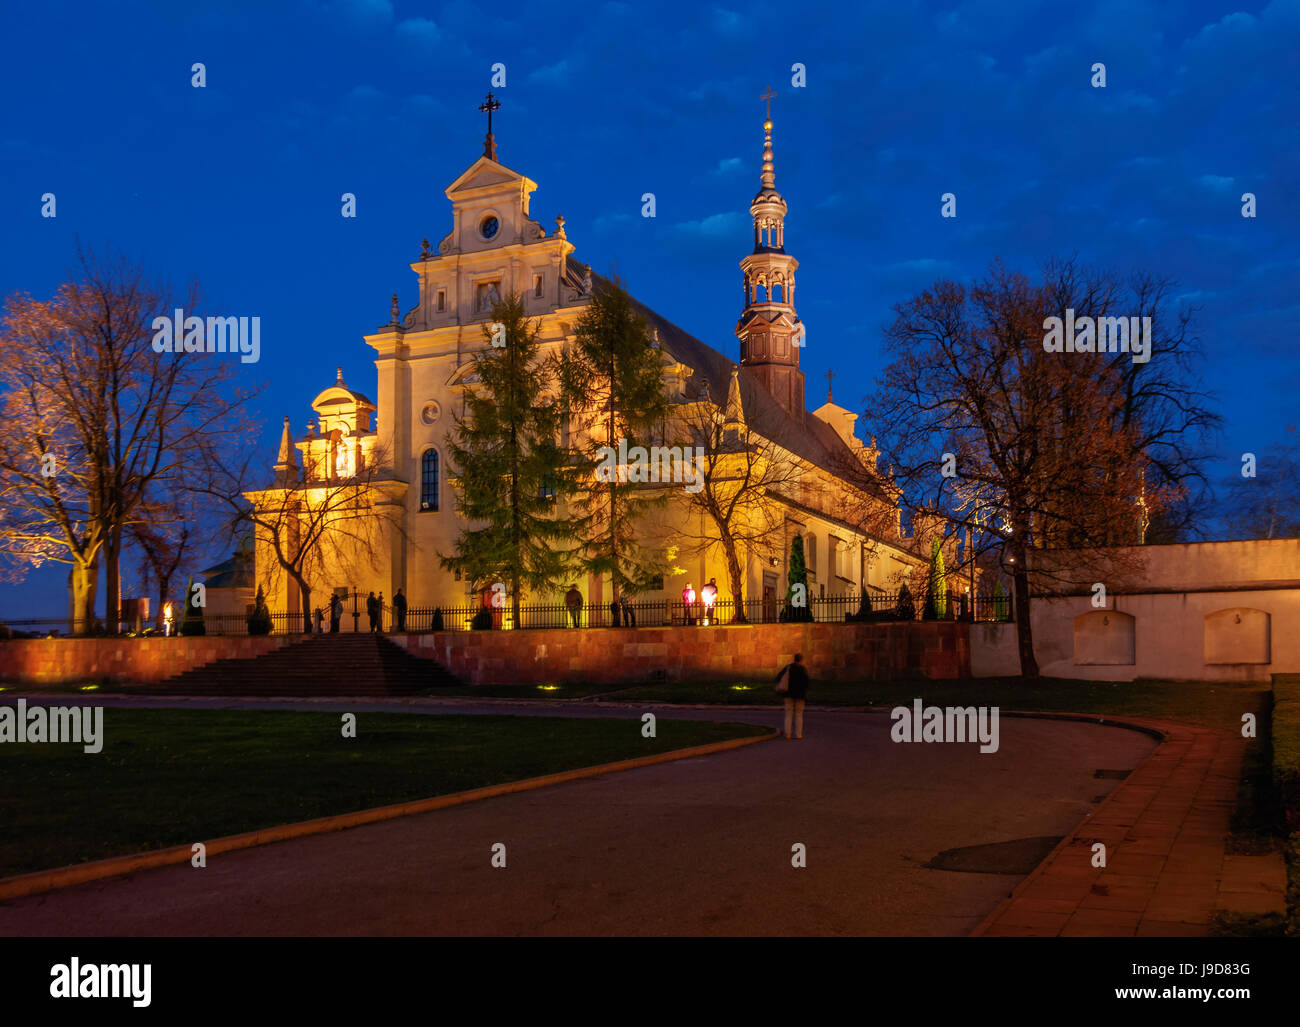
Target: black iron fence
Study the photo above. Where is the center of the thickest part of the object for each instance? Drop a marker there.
(640, 613)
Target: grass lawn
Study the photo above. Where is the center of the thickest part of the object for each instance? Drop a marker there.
(172, 777)
(573, 690)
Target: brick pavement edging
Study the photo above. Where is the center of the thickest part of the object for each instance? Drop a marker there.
(1164, 829)
(81, 873)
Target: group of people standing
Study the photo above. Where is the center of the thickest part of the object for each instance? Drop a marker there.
(623, 613)
(621, 610)
(374, 613)
(707, 598)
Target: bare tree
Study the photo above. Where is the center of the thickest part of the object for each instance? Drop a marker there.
(742, 477)
(95, 417)
(320, 520)
(1027, 450)
(1158, 403)
(1266, 504)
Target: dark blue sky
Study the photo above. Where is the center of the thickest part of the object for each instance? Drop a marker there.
(239, 184)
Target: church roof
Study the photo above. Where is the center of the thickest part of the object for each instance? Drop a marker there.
(339, 394)
(812, 439)
(235, 572)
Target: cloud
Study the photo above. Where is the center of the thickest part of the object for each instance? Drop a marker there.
(922, 266)
(715, 226)
(369, 14)
(558, 72)
(728, 165)
(1216, 182)
(729, 23)
(420, 31)
(608, 222)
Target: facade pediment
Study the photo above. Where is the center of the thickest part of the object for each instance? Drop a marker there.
(485, 173)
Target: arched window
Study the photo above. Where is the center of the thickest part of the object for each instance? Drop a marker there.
(429, 480)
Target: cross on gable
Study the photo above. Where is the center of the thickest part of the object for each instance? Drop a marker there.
(489, 144)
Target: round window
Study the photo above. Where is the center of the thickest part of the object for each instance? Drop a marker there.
(430, 412)
(489, 227)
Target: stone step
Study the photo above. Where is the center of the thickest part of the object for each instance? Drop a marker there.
(319, 665)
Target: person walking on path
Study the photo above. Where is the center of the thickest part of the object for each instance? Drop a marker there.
(614, 609)
(320, 621)
(399, 610)
(336, 613)
(688, 603)
(629, 612)
(573, 600)
(379, 611)
(792, 683)
(372, 611)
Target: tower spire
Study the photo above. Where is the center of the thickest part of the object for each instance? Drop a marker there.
(286, 464)
(769, 168)
(769, 330)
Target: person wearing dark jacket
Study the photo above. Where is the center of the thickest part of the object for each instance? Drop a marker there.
(795, 694)
(336, 612)
(372, 611)
(399, 610)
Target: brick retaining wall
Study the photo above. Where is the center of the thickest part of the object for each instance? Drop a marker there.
(615, 655)
(618, 655)
(93, 660)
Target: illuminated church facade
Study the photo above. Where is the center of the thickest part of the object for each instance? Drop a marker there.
(424, 357)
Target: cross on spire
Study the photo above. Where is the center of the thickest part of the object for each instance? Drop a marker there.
(767, 97)
(830, 375)
(489, 144)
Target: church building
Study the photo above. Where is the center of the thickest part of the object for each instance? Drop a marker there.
(844, 508)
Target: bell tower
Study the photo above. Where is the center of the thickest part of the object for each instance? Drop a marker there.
(769, 330)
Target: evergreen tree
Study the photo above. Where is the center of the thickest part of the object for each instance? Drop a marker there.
(1000, 611)
(797, 583)
(612, 389)
(192, 623)
(259, 621)
(510, 475)
(936, 592)
(906, 609)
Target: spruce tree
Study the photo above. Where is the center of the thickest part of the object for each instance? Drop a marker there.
(612, 389)
(906, 608)
(1000, 611)
(936, 592)
(192, 623)
(797, 576)
(509, 471)
(259, 620)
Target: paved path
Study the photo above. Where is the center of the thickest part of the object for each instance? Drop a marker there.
(694, 847)
(1166, 870)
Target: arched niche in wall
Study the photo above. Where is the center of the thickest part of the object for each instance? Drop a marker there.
(1237, 635)
(1104, 638)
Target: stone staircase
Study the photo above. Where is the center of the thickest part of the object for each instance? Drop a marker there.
(317, 665)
